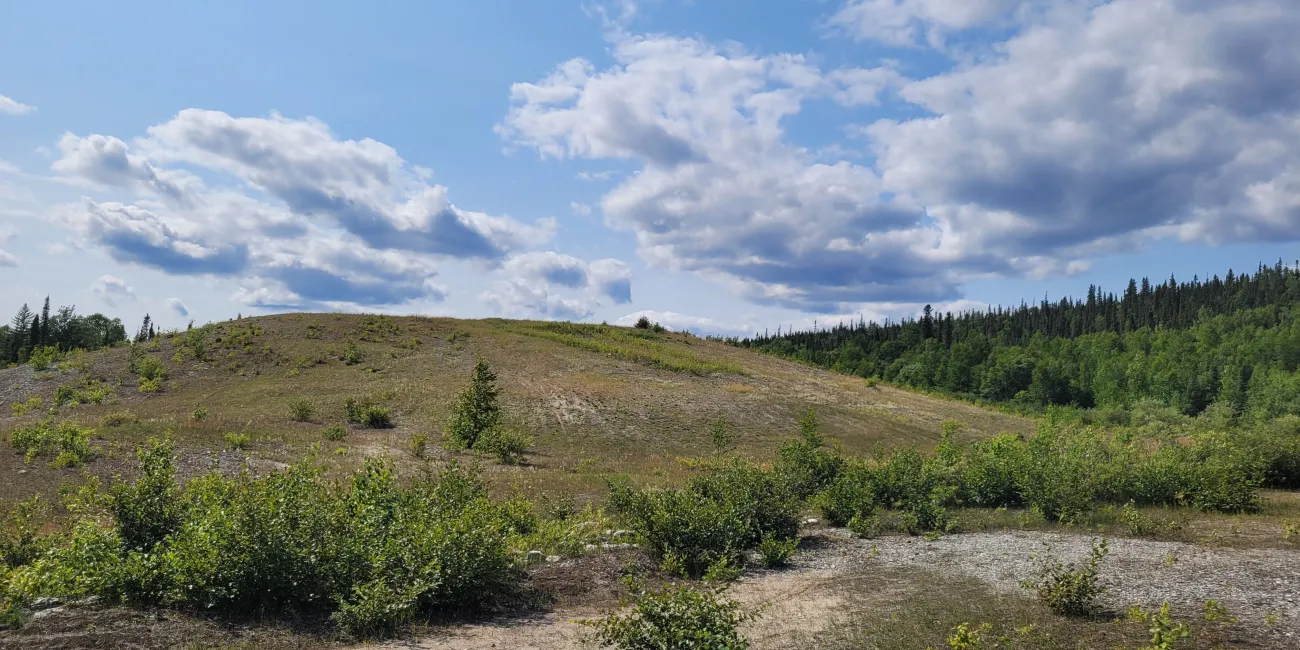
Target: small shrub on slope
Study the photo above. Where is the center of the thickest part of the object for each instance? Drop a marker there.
(1070, 590)
(476, 411)
(674, 618)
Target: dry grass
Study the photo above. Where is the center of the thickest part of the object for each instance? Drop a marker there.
(623, 400)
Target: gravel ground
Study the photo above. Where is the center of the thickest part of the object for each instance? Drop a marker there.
(1252, 584)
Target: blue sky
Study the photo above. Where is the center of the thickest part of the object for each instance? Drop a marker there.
(720, 165)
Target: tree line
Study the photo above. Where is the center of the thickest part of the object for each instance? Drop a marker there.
(1233, 341)
(63, 329)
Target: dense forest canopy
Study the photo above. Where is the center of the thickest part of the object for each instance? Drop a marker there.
(62, 329)
(1232, 341)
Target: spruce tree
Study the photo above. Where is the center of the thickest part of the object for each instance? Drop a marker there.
(45, 322)
(476, 411)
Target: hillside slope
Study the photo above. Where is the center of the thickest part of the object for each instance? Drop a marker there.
(596, 398)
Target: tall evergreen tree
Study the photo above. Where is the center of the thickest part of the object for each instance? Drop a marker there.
(45, 322)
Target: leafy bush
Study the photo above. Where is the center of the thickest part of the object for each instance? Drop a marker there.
(804, 464)
(476, 410)
(723, 438)
(417, 442)
(1070, 590)
(366, 413)
(118, 418)
(31, 404)
(717, 517)
(336, 432)
(149, 368)
(642, 323)
(351, 354)
(777, 552)
(301, 409)
(508, 445)
(674, 618)
(238, 440)
(89, 392)
(199, 413)
(367, 551)
(150, 385)
(43, 356)
(67, 442)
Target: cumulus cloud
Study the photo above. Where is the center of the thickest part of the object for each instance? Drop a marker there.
(311, 219)
(1091, 128)
(13, 107)
(581, 209)
(915, 22)
(178, 307)
(7, 234)
(533, 284)
(110, 289)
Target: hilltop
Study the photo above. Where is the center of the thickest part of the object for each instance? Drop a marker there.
(596, 398)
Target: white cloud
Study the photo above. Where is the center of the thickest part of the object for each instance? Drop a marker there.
(311, 220)
(581, 209)
(1092, 128)
(13, 107)
(178, 307)
(7, 167)
(912, 22)
(7, 234)
(534, 284)
(597, 176)
(110, 289)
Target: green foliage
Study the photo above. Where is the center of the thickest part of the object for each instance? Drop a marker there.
(238, 441)
(507, 444)
(723, 438)
(363, 411)
(67, 442)
(476, 410)
(148, 367)
(718, 516)
(42, 357)
(351, 354)
(1070, 590)
(804, 463)
(336, 432)
(634, 345)
(674, 618)
(1166, 632)
(150, 385)
(34, 403)
(20, 539)
(199, 413)
(417, 442)
(368, 551)
(777, 552)
(88, 392)
(642, 323)
(148, 510)
(301, 409)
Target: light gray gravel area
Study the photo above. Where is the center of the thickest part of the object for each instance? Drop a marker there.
(1252, 584)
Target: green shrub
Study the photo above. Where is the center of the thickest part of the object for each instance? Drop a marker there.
(417, 443)
(238, 441)
(723, 438)
(149, 368)
(674, 618)
(199, 413)
(508, 445)
(43, 356)
(351, 354)
(20, 539)
(366, 413)
(476, 410)
(1070, 590)
(67, 442)
(150, 385)
(718, 516)
(777, 552)
(804, 464)
(301, 409)
(118, 418)
(368, 551)
(89, 392)
(336, 432)
(34, 403)
(149, 509)
(642, 323)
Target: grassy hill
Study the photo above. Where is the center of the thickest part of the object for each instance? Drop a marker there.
(596, 398)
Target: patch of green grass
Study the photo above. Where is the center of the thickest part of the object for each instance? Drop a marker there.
(634, 345)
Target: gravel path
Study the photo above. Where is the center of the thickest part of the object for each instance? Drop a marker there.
(1252, 584)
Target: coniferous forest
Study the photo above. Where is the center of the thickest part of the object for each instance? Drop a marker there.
(61, 330)
(1231, 343)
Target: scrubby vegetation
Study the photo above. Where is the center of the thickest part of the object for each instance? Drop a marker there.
(370, 552)
(674, 617)
(68, 443)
